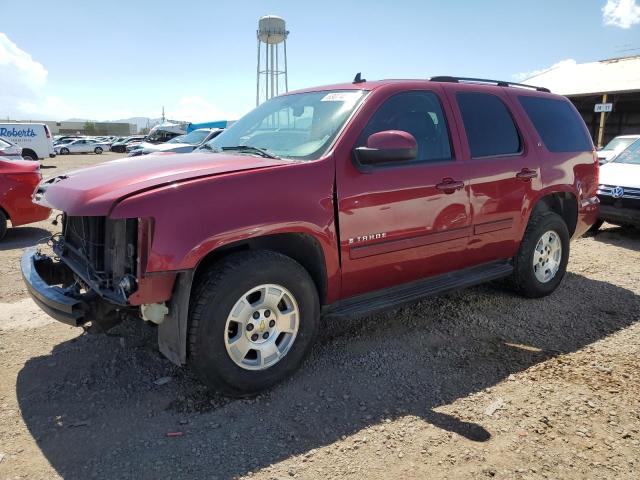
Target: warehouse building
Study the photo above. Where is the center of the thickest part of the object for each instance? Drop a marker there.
(119, 129)
(606, 93)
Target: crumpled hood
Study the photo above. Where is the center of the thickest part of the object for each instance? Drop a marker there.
(93, 191)
(620, 175)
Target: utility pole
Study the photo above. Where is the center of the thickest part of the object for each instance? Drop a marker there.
(602, 119)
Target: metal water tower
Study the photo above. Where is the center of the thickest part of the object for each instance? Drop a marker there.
(272, 69)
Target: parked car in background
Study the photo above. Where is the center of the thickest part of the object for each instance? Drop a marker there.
(612, 149)
(65, 139)
(619, 189)
(121, 146)
(367, 196)
(159, 134)
(18, 180)
(82, 145)
(10, 150)
(34, 139)
(181, 144)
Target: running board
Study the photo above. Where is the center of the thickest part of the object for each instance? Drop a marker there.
(394, 297)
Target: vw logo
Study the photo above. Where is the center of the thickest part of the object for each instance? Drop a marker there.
(617, 192)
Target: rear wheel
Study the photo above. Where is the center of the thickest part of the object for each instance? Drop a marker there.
(253, 319)
(3, 224)
(98, 150)
(29, 155)
(542, 259)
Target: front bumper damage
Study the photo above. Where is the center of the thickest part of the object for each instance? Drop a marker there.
(54, 288)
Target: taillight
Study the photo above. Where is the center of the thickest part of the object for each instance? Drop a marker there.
(46, 131)
(18, 177)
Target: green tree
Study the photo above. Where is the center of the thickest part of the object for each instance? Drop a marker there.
(89, 128)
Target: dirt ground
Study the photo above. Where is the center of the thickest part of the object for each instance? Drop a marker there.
(477, 384)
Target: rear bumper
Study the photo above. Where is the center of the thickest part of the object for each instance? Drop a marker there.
(622, 215)
(41, 275)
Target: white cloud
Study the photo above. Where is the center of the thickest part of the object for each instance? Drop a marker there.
(22, 80)
(621, 13)
(195, 109)
(562, 63)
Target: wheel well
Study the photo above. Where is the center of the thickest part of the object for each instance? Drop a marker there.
(562, 203)
(28, 150)
(303, 248)
(6, 214)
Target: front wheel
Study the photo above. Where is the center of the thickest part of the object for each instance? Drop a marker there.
(98, 150)
(253, 319)
(542, 259)
(64, 151)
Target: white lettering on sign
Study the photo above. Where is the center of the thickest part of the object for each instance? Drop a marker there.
(603, 107)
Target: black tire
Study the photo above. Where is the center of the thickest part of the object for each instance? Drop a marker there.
(29, 155)
(3, 224)
(212, 300)
(64, 151)
(98, 150)
(524, 280)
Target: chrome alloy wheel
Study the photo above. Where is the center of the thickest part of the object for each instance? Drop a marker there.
(262, 327)
(547, 256)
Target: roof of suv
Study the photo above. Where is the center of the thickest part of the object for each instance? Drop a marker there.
(442, 80)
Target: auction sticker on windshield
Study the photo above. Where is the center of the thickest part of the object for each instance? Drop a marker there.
(341, 96)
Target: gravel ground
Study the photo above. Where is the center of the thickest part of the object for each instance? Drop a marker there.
(477, 384)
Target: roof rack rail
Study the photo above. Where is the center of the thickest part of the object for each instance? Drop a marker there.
(499, 83)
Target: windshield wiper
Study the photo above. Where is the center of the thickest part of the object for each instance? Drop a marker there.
(249, 149)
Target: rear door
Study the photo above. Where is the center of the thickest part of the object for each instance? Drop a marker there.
(399, 222)
(503, 170)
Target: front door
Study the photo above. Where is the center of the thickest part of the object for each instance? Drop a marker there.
(404, 221)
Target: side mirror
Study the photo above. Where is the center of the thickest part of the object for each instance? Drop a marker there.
(387, 146)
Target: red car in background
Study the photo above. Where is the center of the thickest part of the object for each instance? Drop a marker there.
(18, 180)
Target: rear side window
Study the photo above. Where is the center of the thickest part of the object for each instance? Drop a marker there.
(489, 125)
(559, 126)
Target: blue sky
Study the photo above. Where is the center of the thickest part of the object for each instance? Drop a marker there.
(118, 59)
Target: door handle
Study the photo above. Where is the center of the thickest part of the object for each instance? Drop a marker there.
(526, 174)
(449, 185)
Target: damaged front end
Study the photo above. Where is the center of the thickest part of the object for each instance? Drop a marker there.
(91, 275)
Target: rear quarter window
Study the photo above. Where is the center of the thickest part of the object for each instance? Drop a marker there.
(559, 126)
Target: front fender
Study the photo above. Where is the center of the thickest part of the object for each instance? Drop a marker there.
(195, 217)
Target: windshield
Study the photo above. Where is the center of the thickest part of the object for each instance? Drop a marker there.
(298, 126)
(618, 144)
(630, 155)
(194, 138)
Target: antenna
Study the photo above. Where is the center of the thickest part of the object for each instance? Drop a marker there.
(358, 78)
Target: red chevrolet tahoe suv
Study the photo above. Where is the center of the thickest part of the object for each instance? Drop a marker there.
(333, 201)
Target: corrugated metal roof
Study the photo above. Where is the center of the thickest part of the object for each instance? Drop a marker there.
(605, 76)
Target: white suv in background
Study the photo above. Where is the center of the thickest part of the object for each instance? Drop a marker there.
(612, 149)
(34, 138)
(619, 189)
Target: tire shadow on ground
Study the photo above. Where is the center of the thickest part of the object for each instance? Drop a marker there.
(102, 405)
